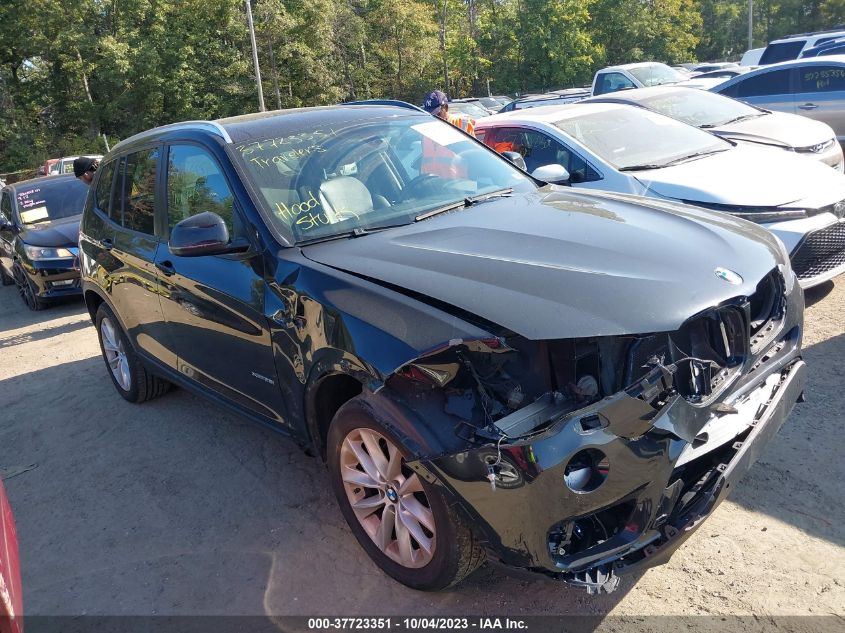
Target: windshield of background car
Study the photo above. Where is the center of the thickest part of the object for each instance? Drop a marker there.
(50, 200)
(656, 75)
(328, 180)
(698, 107)
(468, 109)
(626, 137)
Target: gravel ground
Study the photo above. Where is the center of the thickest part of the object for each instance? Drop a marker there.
(178, 507)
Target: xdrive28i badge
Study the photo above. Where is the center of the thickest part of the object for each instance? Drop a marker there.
(728, 275)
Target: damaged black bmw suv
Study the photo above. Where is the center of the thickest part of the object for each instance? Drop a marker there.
(492, 367)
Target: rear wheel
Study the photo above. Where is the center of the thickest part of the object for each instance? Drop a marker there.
(26, 291)
(402, 521)
(131, 378)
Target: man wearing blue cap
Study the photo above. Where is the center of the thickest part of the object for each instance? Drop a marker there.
(438, 159)
(437, 103)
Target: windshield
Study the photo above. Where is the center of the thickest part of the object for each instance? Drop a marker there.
(48, 200)
(656, 75)
(698, 107)
(628, 137)
(319, 182)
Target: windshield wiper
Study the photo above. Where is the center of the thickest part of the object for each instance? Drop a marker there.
(744, 117)
(356, 232)
(674, 161)
(466, 202)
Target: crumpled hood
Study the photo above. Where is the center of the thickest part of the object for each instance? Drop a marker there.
(791, 130)
(560, 264)
(63, 232)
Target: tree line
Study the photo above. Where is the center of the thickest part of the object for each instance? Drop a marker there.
(73, 74)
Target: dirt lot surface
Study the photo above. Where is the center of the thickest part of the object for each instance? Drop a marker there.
(178, 507)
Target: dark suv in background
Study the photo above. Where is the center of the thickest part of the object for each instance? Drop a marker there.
(566, 382)
(39, 231)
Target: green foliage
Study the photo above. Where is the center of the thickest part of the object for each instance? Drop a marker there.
(71, 72)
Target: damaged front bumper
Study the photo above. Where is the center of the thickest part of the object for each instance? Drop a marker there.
(616, 487)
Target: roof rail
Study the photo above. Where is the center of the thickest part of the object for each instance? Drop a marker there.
(208, 126)
(387, 102)
(833, 29)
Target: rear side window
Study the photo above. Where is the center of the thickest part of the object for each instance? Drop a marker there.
(196, 184)
(773, 83)
(821, 79)
(103, 193)
(781, 52)
(136, 190)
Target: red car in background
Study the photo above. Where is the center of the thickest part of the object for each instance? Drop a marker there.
(11, 598)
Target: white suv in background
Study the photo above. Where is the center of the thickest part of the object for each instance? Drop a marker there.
(792, 46)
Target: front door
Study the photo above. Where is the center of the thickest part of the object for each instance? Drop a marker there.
(820, 94)
(214, 304)
(7, 235)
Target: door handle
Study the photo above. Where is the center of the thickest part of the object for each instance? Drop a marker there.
(166, 267)
(108, 244)
(808, 106)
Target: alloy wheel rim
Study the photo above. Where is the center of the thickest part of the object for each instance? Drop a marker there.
(387, 498)
(115, 354)
(24, 289)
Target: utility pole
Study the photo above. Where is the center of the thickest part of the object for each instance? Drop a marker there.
(750, 24)
(255, 57)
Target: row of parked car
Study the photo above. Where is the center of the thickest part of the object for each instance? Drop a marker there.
(556, 346)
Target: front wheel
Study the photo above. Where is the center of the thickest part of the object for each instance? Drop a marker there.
(131, 378)
(401, 521)
(26, 291)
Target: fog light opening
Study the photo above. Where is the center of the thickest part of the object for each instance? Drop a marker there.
(586, 471)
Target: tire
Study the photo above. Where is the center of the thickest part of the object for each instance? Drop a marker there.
(130, 377)
(454, 551)
(26, 291)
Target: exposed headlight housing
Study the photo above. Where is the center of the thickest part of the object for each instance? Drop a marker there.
(45, 253)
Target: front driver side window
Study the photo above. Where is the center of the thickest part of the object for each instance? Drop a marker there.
(196, 184)
(612, 82)
(538, 150)
(5, 207)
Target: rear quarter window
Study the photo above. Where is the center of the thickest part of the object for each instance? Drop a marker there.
(781, 52)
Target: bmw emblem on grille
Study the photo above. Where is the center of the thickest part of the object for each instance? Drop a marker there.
(839, 209)
(728, 275)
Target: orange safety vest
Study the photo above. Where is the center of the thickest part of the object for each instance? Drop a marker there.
(439, 160)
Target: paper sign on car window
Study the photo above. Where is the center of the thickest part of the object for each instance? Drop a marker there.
(33, 215)
(442, 133)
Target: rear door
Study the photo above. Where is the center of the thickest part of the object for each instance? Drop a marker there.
(214, 305)
(133, 283)
(820, 95)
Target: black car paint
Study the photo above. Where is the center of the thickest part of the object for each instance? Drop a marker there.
(63, 232)
(278, 331)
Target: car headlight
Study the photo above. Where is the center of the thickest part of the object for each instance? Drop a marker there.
(41, 253)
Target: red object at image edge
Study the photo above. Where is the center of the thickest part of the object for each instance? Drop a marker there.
(11, 597)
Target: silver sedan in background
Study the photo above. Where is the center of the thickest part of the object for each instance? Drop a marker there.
(631, 150)
(814, 88)
(736, 120)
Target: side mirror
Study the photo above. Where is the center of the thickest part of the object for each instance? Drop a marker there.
(203, 234)
(516, 158)
(551, 173)
(5, 225)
